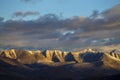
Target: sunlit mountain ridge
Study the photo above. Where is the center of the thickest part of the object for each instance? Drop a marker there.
(55, 64)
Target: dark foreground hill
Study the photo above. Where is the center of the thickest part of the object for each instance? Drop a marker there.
(86, 64)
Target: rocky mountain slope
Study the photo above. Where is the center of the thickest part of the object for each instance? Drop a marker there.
(84, 64)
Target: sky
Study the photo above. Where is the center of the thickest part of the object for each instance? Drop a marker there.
(65, 8)
(61, 24)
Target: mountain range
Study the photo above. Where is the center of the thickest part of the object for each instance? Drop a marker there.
(85, 64)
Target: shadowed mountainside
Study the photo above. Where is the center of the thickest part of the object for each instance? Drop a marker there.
(30, 57)
(54, 64)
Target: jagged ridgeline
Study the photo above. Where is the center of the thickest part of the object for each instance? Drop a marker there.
(53, 56)
(57, 65)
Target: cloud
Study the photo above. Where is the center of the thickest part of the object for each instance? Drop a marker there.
(50, 30)
(95, 14)
(24, 14)
(112, 14)
(32, 1)
(1, 19)
(26, 0)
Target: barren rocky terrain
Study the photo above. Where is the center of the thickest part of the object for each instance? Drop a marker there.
(85, 64)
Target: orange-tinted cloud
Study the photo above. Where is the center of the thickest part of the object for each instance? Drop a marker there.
(51, 31)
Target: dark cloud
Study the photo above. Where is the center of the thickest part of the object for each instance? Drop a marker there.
(1, 19)
(26, 0)
(24, 14)
(112, 14)
(50, 30)
(95, 14)
(32, 1)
